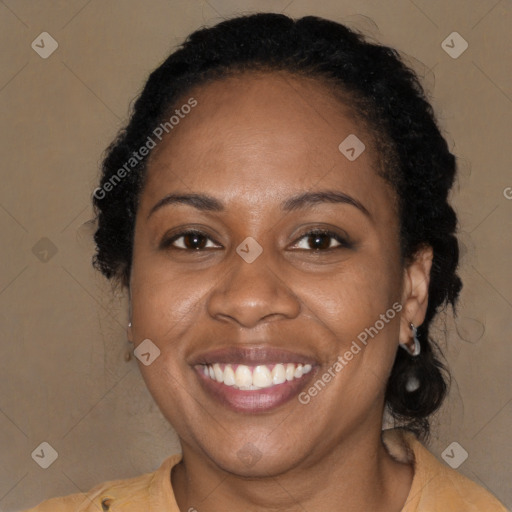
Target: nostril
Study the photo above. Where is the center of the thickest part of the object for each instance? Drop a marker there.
(105, 503)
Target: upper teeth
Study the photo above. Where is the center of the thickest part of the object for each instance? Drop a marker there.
(255, 377)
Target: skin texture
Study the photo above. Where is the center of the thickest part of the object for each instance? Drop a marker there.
(252, 142)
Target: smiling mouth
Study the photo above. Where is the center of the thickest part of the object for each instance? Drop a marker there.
(251, 378)
(253, 389)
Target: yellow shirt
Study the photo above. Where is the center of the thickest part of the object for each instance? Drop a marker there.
(435, 487)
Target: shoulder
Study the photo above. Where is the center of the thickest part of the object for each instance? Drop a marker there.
(435, 484)
(60, 504)
(129, 494)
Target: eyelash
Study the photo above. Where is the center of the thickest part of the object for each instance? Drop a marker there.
(344, 244)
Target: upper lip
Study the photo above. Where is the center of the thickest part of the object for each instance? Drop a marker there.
(251, 356)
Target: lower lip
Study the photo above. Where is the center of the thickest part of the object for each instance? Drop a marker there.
(254, 401)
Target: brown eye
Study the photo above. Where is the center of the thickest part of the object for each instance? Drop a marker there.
(190, 240)
(321, 240)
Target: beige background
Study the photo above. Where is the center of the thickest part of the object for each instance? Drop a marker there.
(64, 374)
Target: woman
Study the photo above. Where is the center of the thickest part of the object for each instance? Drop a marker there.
(277, 209)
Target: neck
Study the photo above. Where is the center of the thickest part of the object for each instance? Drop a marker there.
(357, 474)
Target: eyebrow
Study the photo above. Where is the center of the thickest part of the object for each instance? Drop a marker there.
(207, 203)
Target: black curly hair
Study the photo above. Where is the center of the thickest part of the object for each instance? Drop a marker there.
(386, 96)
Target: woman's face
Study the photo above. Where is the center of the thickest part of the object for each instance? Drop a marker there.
(253, 293)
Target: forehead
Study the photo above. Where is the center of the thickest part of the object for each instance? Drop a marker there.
(263, 134)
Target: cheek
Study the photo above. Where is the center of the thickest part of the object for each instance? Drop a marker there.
(355, 314)
(354, 296)
(164, 306)
(166, 309)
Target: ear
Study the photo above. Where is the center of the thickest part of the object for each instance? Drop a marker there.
(415, 291)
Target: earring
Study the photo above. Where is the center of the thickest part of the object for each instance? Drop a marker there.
(412, 384)
(417, 347)
(129, 327)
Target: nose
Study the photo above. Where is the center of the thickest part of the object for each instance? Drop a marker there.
(249, 294)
